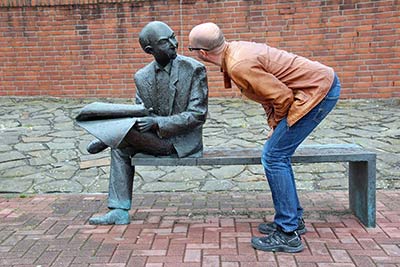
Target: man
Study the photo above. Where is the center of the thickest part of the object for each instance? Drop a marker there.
(296, 94)
(175, 88)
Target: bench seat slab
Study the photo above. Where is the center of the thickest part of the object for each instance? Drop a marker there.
(362, 168)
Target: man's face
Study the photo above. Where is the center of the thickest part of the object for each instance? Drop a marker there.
(164, 45)
(198, 51)
(201, 56)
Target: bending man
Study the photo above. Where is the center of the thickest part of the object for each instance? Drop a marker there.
(296, 94)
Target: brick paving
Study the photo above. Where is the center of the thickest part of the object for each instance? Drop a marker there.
(190, 230)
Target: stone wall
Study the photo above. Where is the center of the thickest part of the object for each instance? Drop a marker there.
(89, 48)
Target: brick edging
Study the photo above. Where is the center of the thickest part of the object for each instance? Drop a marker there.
(34, 3)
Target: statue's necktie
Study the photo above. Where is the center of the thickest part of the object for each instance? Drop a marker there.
(162, 93)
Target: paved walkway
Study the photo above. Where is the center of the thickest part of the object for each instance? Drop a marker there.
(42, 151)
(210, 221)
(191, 229)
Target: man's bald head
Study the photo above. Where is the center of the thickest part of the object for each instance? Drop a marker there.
(207, 35)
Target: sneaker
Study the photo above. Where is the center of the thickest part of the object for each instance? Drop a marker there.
(278, 241)
(268, 228)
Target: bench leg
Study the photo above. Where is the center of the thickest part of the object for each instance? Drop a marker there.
(362, 190)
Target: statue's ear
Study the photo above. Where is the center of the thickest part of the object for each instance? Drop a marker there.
(148, 49)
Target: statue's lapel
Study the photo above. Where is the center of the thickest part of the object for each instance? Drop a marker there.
(174, 77)
(150, 86)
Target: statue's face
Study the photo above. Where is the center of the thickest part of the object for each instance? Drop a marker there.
(163, 44)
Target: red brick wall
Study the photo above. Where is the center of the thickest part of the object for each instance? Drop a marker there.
(81, 48)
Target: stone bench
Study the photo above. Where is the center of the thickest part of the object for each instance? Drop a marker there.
(362, 168)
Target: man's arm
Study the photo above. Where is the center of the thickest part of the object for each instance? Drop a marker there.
(274, 95)
(269, 111)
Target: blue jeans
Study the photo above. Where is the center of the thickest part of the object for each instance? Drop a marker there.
(277, 154)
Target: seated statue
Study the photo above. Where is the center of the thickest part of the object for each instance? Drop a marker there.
(173, 92)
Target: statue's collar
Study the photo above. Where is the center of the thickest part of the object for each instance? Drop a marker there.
(166, 68)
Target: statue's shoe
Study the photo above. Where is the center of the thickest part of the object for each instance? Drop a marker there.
(96, 146)
(115, 216)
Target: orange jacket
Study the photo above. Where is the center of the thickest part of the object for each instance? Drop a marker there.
(285, 84)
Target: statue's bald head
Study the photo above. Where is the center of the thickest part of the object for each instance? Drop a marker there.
(151, 31)
(207, 35)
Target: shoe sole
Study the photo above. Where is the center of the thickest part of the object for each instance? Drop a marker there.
(267, 232)
(281, 248)
(106, 223)
(98, 221)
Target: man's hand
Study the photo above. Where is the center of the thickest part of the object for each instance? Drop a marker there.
(270, 133)
(146, 123)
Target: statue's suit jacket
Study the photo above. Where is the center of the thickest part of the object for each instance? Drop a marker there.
(187, 103)
(184, 114)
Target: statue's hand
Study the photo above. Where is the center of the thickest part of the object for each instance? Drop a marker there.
(146, 123)
(149, 111)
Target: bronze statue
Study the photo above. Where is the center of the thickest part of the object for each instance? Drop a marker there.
(170, 110)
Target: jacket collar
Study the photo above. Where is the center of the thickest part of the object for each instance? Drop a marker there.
(166, 68)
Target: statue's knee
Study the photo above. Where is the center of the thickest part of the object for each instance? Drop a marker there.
(122, 153)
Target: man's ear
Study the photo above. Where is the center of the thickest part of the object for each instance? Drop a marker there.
(203, 53)
(148, 49)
